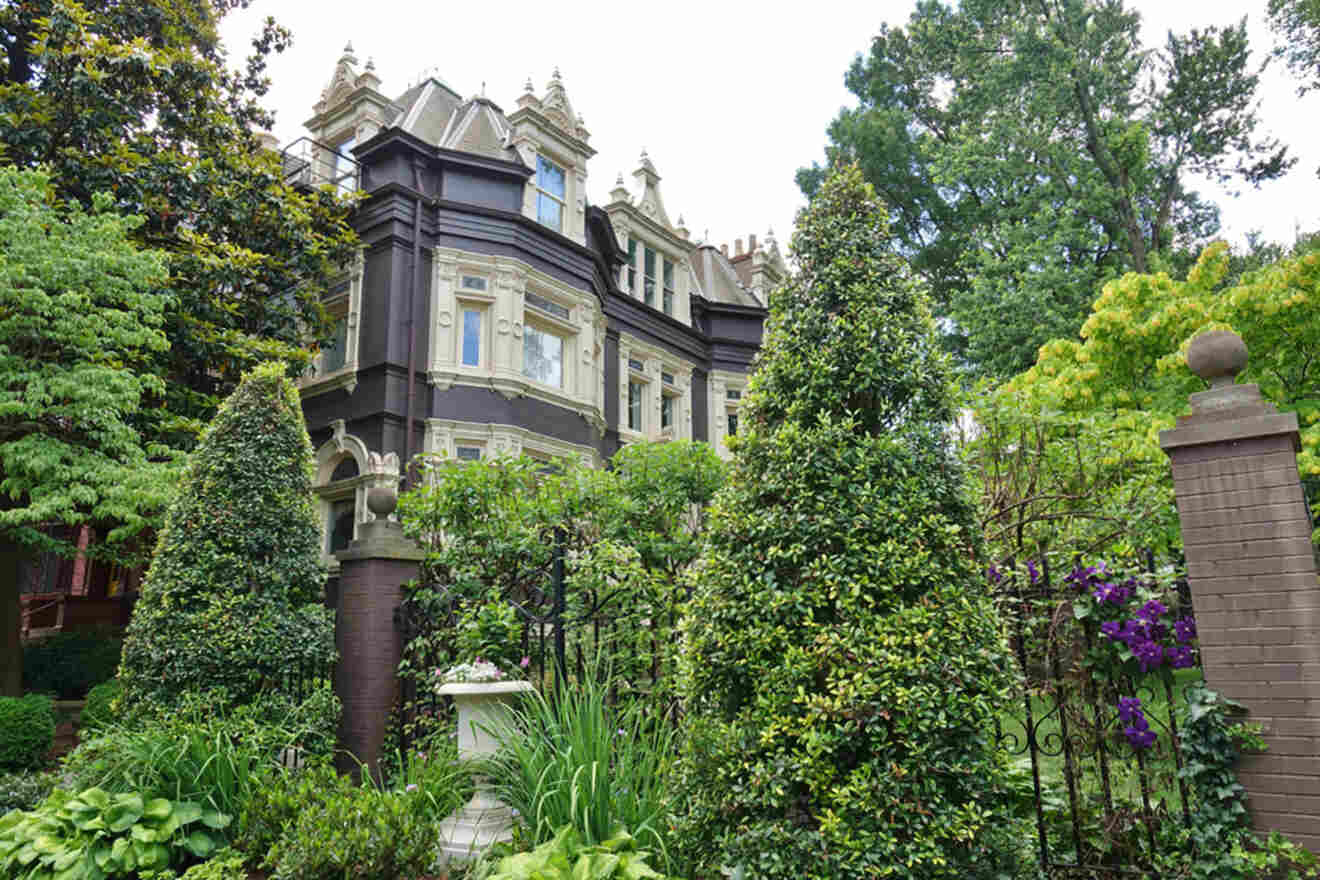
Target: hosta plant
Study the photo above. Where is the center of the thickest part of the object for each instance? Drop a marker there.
(566, 857)
(95, 835)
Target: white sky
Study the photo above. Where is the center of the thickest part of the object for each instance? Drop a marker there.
(728, 98)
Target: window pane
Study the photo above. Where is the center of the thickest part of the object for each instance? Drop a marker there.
(342, 169)
(332, 357)
(543, 357)
(669, 302)
(550, 177)
(340, 530)
(468, 453)
(632, 266)
(666, 412)
(549, 212)
(649, 266)
(668, 279)
(634, 406)
(547, 306)
(471, 338)
(733, 423)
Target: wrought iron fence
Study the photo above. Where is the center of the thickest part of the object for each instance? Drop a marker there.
(1099, 799)
(566, 635)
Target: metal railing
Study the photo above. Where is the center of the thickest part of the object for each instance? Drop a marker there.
(310, 163)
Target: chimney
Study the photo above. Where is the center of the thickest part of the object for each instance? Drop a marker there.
(737, 247)
(724, 249)
(751, 242)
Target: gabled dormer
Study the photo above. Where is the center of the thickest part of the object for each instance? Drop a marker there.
(657, 270)
(553, 141)
(351, 109)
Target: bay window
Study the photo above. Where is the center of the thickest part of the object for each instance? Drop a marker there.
(543, 356)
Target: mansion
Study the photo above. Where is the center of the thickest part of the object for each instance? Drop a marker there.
(495, 308)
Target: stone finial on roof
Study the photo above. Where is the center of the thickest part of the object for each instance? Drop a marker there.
(681, 228)
(527, 86)
(348, 55)
(557, 108)
(620, 192)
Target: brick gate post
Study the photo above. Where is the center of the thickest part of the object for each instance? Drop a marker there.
(1247, 535)
(371, 573)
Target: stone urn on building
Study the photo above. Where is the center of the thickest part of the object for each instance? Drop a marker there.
(483, 708)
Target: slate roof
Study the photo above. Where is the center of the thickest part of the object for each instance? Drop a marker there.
(436, 113)
(718, 280)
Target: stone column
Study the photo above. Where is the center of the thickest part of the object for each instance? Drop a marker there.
(1247, 536)
(371, 573)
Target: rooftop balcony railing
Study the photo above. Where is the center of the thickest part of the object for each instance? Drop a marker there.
(310, 163)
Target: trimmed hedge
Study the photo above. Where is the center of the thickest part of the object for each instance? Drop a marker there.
(841, 665)
(232, 604)
(99, 709)
(27, 730)
(69, 664)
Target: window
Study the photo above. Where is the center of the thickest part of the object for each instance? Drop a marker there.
(667, 378)
(649, 281)
(473, 282)
(666, 412)
(471, 338)
(668, 295)
(545, 305)
(467, 453)
(733, 394)
(632, 266)
(339, 527)
(342, 168)
(733, 423)
(334, 355)
(543, 356)
(550, 194)
(635, 406)
(635, 364)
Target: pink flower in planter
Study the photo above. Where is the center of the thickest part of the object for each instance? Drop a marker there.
(525, 662)
(412, 786)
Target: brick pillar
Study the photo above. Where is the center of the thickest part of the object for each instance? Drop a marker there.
(371, 573)
(1247, 536)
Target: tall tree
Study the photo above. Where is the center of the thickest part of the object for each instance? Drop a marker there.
(80, 321)
(840, 661)
(136, 99)
(1297, 22)
(1030, 149)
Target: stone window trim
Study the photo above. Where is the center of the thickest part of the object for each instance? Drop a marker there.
(350, 306)
(373, 470)
(444, 436)
(507, 315)
(722, 404)
(663, 376)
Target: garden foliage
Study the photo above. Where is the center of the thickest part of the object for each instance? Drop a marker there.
(232, 601)
(491, 529)
(27, 730)
(95, 835)
(68, 664)
(1068, 452)
(841, 665)
(567, 857)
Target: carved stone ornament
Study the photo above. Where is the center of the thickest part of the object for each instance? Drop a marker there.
(445, 319)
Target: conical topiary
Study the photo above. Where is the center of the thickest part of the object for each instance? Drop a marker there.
(230, 605)
(840, 664)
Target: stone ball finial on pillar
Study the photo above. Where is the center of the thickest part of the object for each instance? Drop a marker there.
(1217, 357)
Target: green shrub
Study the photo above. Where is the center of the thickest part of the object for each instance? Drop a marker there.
(335, 828)
(232, 601)
(196, 755)
(99, 710)
(224, 865)
(24, 789)
(27, 730)
(68, 664)
(575, 761)
(96, 834)
(840, 664)
(566, 857)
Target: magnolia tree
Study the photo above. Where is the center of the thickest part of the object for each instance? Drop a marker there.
(840, 666)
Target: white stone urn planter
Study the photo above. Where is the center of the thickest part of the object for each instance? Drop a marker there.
(483, 707)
